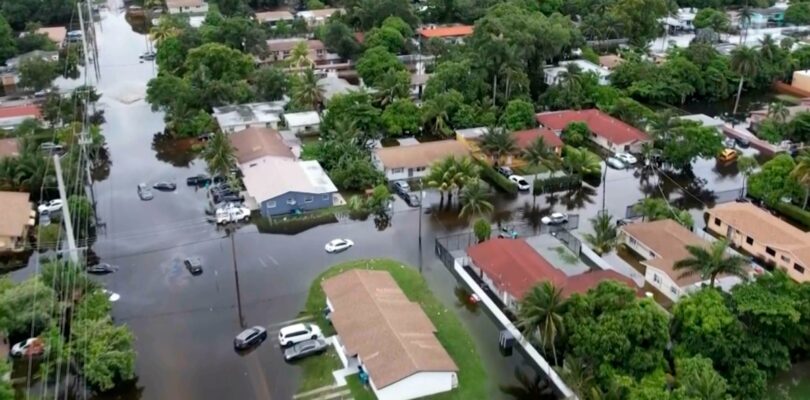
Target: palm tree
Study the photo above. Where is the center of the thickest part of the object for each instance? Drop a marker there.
(577, 375)
(745, 63)
(651, 209)
(581, 161)
(768, 47)
(538, 154)
(711, 261)
(746, 165)
(390, 88)
(162, 31)
(539, 315)
(451, 174)
(801, 173)
(436, 112)
(778, 112)
(745, 20)
(605, 236)
(497, 143)
(219, 154)
(307, 92)
(439, 176)
(474, 199)
(299, 56)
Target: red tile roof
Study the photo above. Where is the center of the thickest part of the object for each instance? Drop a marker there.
(601, 124)
(20, 111)
(525, 138)
(515, 267)
(446, 31)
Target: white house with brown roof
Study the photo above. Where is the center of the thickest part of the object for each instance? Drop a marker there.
(16, 217)
(281, 49)
(252, 144)
(389, 336)
(764, 236)
(318, 17)
(274, 17)
(662, 244)
(414, 161)
(187, 6)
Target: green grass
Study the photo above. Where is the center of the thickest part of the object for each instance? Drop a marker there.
(317, 371)
(473, 380)
(530, 169)
(566, 255)
(359, 391)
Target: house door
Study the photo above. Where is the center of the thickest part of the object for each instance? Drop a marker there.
(410, 172)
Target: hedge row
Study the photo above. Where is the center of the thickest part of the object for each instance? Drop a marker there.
(497, 180)
(794, 212)
(556, 184)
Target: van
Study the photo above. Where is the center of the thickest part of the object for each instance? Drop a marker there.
(727, 155)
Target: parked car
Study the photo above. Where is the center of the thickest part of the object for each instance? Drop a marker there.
(410, 198)
(50, 207)
(227, 198)
(727, 155)
(232, 214)
(297, 333)
(505, 171)
(729, 142)
(338, 245)
(144, 193)
(111, 296)
(555, 219)
(198, 180)
(250, 337)
(742, 142)
(148, 56)
(507, 233)
(165, 186)
(51, 148)
(193, 265)
(306, 348)
(521, 183)
(28, 347)
(102, 268)
(614, 162)
(626, 158)
(402, 187)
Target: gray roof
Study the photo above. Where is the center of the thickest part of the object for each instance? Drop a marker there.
(306, 118)
(472, 133)
(704, 120)
(332, 85)
(249, 113)
(44, 55)
(270, 177)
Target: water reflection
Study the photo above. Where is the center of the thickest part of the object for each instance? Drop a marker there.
(177, 152)
(578, 198)
(100, 169)
(463, 300)
(531, 386)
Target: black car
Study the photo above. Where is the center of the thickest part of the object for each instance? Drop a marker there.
(228, 197)
(102, 268)
(193, 265)
(198, 180)
(165, 186)
(505, 171)
(148, 56)
(410, 198)
(306, 348)
(249, 337)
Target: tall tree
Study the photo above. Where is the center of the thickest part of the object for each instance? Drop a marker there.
(474, 199)
(519, 114)
(498, 143)
(711, 262)
(270, 83)
(540, 315)
(746, 165)
(7, 46)
(745, 63)
(605, 236)
(801, 173)
(37, 74)
(307, 93)
(219, 154)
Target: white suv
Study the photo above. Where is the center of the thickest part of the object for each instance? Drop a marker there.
(290, 335)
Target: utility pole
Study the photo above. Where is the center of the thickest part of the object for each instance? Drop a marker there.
(604, 187)
(421, 200)
(232, 234)
(73, 252)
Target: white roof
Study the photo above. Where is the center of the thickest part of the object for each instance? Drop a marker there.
(584, 65)
(472, 133)
(705, 120)
(332, 85)
(270, 177)
(249, 113)
(306, 118)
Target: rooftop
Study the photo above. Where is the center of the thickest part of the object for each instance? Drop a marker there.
(184, 3)
(241, 114)
(525, 138)
(610, 61)
(584, 66)
(390, 334)
(15, 213)
(57, 34)
(332, 85)
(25, 110)
(704, 120)
(269, 16)
(319, 14)
(420, 155)
(598, 122)
(668, 239)
(472, 133)
(290, 43)
(9, 148)
(446, 31)
(306, 118)
(270, 177)
(254, 143)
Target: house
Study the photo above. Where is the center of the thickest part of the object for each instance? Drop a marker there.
(525, 138)
(606, 131)
(448, 33)
(57, 34)
(302, 122)
(762, 17)
(187, 6)
(16, 217)
(9, 79)
(414, 161)
(682, 21)
(12, 116)
(282, 186)
(661, 244)
(274, 17)
(801, 80)
(511, 267)
(242, 116)
(15, 62)
(379, 329)
(333, 85)
(705, 120)
(281, 49)
(554, 75)
(9, 147)
(471, 137)
(254, 143)
(318, 17)
(763, 236)
(610, 61)
(757, 116)
(418, 83)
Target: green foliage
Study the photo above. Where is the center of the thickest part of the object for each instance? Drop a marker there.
(339, 38)
(307, 94)
(8, 48)
(379, 199)
(37, 74)
(107, 355)
(540, 316)
(590, 55)
(654, 209)
(393, 85)
(482, 230)
(793, 212)
(689, 140)
(605, 236)
(497, 180)
(773, 181)
(387, 37)
(554, 184)
(576, 134)
(798, 13)
(640, 18)
(772, 131)
(799, 127)
(315, 5)
(401, 117)
(81, 210)
(452, 174)
(93, 305)
(32, 40)
(367, 14)
(47, 236)
(25, 305)
(498, 143)
(519, 114)
(375, 62)
(711, 262)
(474, 199)
(270, 83)
(355, 174)
(219, 154)
(440, 110)
(717, 20)
(581, 161)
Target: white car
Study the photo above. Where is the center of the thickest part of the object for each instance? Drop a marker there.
(28, 347)
(297, 333)
(614, 162)
(112, 296)
(626, 158)
(232, 214)
(51, 206)
(338, 245)
(555, 219)
(521, 183)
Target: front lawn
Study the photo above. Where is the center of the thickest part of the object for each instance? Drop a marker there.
(472, 378)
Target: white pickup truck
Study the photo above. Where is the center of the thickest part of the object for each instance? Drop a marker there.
(232, 214)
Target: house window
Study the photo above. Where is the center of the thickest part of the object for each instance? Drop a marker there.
(798, 268)
(673, 290)
(271, 204)
(420, 169)
(717, 222)
(326, 197)
(308, 199)
(397, 170)
(785, 259)
(749, 240)
(657, 279)
(632, 240)
(291, 201)
(771, 252)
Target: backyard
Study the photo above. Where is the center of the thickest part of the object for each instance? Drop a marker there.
(473, 382)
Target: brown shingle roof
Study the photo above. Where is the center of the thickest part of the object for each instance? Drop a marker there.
(275, 45)
(446, 31)
(391, 334)
(420, 155)
(668, 239)
(584, 282)
(15, 212)
(9, 148)
(253, 143)
(598, 122)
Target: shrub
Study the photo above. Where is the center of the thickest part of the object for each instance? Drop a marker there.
(556, 184)
(482, 230)
(497, 180)
(794, 212)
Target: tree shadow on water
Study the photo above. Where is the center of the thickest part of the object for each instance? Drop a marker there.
(530, 386)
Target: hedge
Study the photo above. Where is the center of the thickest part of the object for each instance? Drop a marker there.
(497, 180)
(794, 212)
(556, 184)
